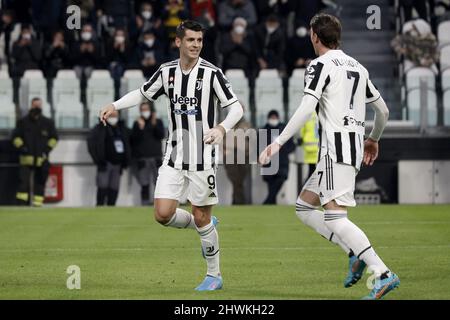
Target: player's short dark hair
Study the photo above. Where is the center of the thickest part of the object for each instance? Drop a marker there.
(35, 99)
(188, 25)
(328, 29)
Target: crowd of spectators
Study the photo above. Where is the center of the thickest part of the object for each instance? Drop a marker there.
(122, 34)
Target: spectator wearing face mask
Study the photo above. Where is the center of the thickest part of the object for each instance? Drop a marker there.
(301, 51)
(56, 56)
(270, 44)
(146, 137)
(237, 47)
(109, 147)
(85, 54)
(150, 54)
(26, 53)
(148, 21)
(275, 182)
(34, 138)
(117, 56)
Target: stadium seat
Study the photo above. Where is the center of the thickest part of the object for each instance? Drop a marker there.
(413, 102)
(239, 83)
(421, 25)
(7, 113)
(296, 86)
(446, 103)
(445, 58)
(446, 96)
(268, 95)
(66, 100)
(33, 84)
(443, 33)
(7, 107)
(415, 74)
(131, 80)
(413, 94)
(99, 92)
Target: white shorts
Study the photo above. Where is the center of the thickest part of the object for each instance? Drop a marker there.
(201, 185)
(333, 181)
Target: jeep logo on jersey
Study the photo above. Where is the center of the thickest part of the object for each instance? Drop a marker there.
(184, 100)
(350, 120)
(191, 112)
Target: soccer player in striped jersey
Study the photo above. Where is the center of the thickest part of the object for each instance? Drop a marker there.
(337, 87)
(194, 87)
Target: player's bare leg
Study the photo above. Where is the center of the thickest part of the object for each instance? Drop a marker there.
(210, 245)
(167, 214)
(336, 220)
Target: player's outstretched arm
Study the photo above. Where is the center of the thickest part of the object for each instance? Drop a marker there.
(129, 100)
(371, 144)
(215, 135)
(298, 120)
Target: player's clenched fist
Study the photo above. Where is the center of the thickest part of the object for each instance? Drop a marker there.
(106, 112)
(214, 135)
(269, 151)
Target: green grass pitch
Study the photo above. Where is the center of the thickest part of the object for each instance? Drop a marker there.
(266, 253)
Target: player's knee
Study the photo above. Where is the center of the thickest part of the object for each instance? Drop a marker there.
(162, 215)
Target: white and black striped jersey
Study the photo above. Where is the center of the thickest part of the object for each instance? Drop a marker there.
(342, 87)
(193, 99)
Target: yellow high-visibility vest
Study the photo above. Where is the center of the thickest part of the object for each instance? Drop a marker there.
(310, 136)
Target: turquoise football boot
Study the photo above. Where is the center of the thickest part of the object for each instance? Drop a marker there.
(210, 283)
(355, 271)
(383, 287)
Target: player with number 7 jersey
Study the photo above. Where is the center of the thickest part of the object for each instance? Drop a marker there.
(338, 88)
(342, 107)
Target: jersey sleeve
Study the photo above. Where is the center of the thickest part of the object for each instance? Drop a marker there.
(154, 87)
(317, 76)
(372, 93)
(223, 91)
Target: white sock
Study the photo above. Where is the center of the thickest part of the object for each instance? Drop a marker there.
(355, 238)
(181, 219)
(210, 245)
(313, 218)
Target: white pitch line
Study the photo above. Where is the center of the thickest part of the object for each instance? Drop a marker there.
(223, 248)
(227, 225)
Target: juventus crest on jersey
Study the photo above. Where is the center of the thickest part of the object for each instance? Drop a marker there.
(193, 98)
(342, 87)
